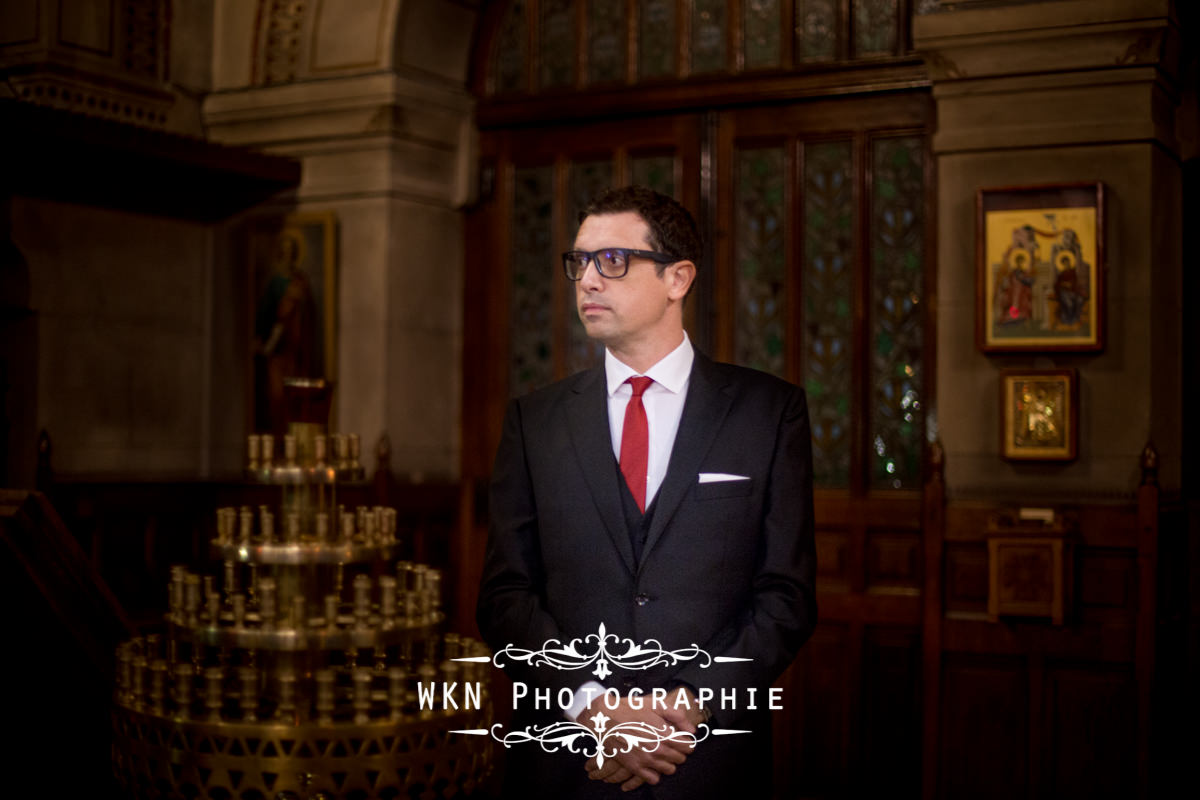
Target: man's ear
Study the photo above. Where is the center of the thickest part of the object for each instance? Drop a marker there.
(679, 277)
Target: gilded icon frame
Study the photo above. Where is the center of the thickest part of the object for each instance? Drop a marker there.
(1040, 268)
(1039, 419)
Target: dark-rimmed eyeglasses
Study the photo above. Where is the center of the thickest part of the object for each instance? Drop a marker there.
(611, 262)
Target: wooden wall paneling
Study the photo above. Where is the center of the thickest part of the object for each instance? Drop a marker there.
(1107, 585)
(797, 320)
(792, 199)
(833, 561)
(787, 40)
(893, 562)
(933, 533)
(933, 465)
(1036, 739)
(721, 245)
(1081, 717)
(984, 727)
(966, 580)
(1090, 732)
(888, 761)
(821, 762)
(788, 734)
(860, 305)
(735, 32)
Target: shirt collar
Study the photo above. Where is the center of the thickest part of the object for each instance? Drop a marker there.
(672, 372)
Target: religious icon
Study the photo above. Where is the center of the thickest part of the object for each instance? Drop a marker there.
(291, 308)
(1039, 269)
(1039, 417)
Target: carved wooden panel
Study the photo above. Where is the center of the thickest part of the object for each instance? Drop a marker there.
(893, 561)
(833, 560)
(966, 578)
(1028, 576)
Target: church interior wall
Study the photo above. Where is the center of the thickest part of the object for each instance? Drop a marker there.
(123, 305)
(1117, 419)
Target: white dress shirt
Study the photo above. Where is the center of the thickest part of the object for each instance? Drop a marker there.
(663, 401)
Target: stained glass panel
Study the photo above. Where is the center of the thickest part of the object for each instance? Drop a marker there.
(828, 286)
(587, 179)
(897, 287)
(763, 28)
(816, 29)
(657, 172)
(533, 274)
(759, 259)
(606, 41)
(708, 36)
(875, 24)
(656, 39)
(557, 37)
(511, 51)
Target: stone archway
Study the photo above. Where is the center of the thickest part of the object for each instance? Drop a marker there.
(270, 42)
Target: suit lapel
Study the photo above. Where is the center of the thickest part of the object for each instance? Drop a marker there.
(587, 420)
(703, 412)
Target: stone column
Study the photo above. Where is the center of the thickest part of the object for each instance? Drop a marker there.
(1056, 92)
(370, 96)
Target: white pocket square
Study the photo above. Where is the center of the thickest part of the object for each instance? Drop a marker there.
(721, 477)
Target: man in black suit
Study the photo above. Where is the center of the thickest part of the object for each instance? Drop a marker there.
(665, 497)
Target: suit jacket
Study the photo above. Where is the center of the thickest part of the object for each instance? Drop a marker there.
(726, 566)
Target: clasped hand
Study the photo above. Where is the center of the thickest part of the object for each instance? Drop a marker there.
(632, 769)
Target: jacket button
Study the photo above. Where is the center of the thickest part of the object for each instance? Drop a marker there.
(642, 599)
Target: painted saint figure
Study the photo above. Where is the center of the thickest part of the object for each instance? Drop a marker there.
(1014, 292)
(1072, 288)
(284, 331)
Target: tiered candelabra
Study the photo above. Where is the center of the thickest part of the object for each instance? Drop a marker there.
(314, 669)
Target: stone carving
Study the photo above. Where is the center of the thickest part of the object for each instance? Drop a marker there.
(281, 53)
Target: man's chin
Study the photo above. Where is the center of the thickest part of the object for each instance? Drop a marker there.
(593, 323)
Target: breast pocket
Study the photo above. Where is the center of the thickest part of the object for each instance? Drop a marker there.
(720, 489)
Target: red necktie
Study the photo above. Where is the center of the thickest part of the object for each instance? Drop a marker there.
(635, 442)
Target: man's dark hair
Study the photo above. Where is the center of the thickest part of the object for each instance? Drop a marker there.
(672, 229)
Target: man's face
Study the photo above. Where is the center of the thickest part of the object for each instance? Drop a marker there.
(629, 311)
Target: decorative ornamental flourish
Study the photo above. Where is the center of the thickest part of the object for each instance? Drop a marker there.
(577, 655)
(600, 742)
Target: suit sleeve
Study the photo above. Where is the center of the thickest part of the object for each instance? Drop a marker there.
(511, 608)
(781, 611)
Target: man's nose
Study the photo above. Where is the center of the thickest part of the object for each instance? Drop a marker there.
(591, 280)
